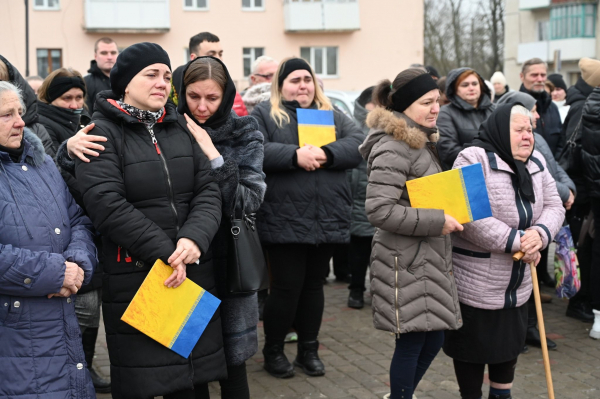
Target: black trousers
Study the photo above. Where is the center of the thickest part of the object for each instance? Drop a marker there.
(470, 376)
(236, 384)
(340, 262)
(359, 256)
(595, 266)
(296, 296)
(199, 392)
(575, 218)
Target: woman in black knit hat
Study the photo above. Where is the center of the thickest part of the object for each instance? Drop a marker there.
(307, 209)
(151, 196)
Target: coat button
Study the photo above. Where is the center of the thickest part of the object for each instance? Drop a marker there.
(27, 281)
(79, 366)
(139, 263)
(68, 300)
(24, 167)
(57, 230)
(17, 304)
(5, 304)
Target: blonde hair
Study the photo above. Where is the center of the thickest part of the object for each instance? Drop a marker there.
(4, 76)
(57, 73)
(279, 115)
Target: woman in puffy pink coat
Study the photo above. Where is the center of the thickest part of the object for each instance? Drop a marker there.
(493, 289)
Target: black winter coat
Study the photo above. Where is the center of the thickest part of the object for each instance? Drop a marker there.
(303, 207)
(549, 125)
(31, 104)
(576, 96)
(590, 143)
(95, 82)
(142, 199)
(458, 122)
(61, 126)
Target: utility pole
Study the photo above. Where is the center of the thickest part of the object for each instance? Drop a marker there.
(26, 38)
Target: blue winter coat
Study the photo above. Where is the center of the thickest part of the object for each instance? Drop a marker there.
(41, 226)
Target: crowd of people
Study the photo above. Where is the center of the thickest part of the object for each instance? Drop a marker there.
(103, 174)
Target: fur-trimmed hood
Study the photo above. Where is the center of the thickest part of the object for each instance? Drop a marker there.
(384, 122)
(34, 152)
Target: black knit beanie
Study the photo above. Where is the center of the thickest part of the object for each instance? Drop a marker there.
(132, 60)
(558, 81)
(291, 65)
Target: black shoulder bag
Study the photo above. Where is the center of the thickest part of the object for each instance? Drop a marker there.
(246, 265)
(570, 157)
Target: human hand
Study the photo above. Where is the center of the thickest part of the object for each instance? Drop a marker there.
(570, 201)
(320, 154)
(534, 258)
(451, 225)
(63, 293)
(531, 242)
(73, 277)
(83, 144)
(308, 159)
(202, 138)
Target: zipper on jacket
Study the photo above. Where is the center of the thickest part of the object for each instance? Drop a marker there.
(526, 217)
(396, 301)
(166, 169)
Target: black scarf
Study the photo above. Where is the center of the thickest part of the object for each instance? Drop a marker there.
(14, 153)
(220, 117)
(542, 99)
(494, 136)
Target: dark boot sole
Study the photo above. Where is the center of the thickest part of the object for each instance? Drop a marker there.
(102, 390)
(577, 316)
(355, 305)
(308, 372)
(287, 374)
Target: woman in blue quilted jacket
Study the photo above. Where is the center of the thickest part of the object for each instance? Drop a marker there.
(46, 254)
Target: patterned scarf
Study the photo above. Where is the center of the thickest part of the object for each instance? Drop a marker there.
(148, 118)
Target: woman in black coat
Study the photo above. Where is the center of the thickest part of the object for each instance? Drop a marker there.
(151, 196)
(234, 146)
(306, 210)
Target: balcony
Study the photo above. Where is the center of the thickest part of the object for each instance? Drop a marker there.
(127, 16)
(321, 15)
(572, 49)
(532, 4)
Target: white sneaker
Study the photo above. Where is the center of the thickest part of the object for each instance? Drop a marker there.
(595, 331)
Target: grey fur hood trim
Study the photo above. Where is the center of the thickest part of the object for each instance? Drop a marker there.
(257, 94)
(35, 154)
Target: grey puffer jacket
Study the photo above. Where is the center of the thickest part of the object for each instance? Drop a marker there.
(358, 184)
(412, 281)
(458, 122)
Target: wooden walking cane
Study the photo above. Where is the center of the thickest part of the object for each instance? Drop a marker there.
(538, 306)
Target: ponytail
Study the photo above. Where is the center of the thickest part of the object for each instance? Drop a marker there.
(382, 94)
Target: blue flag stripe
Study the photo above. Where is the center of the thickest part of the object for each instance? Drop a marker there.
(314, 117)
(476, 191)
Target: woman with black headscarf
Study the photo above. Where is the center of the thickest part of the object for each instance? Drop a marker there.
(234, 146)
(493, 289)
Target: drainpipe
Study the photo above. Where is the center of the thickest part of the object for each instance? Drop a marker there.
(26, 38)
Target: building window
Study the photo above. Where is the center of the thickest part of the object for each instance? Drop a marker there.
(195, 5)
(48, 60)
(46, 5)
(250, 55)
(253, 5)
(542, 31)
(575, 20)
(324, 60)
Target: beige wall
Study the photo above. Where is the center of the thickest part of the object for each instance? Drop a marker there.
(390, 38)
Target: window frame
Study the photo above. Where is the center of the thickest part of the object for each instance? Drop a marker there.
(568, 21)
(49, 58)
(323, 61)
(196, 8)
(253, 7)
(252, 56)
(45, 7)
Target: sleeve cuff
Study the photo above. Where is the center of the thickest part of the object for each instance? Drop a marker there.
(329, 155)
(217, 162)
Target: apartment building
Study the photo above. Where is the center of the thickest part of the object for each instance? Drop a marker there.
(560, 32)
(351, 44)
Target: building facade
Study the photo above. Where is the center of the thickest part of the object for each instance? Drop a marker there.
(560, 32)
(351, 44)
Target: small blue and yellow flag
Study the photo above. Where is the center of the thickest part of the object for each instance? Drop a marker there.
(461, 193)
(175, 318)
(315, 127)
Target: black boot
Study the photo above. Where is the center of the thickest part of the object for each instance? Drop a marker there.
(355, 299)
(308, 358)
(88, 340)
(580, 311)
(507, 396)
(533, 335)
(276, 363)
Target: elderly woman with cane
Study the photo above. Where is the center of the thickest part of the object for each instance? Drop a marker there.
(493, 288)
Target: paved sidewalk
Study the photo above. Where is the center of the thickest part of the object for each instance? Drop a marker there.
(357, 358)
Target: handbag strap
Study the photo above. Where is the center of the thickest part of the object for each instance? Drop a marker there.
(239, 198)
(571, 140)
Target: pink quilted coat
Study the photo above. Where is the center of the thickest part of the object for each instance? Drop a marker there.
(486, 276)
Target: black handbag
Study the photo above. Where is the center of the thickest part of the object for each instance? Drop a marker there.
(246, 266)
(570, 157)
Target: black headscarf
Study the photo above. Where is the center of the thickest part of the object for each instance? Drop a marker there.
(220, 117)
(494, 136)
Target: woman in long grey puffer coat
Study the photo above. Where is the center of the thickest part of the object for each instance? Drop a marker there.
(412, 282)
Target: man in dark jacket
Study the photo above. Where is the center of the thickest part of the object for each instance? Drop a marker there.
(105, 56)
(533, 76)
(31, 108)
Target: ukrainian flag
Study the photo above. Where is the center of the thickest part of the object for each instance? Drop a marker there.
(461, 193)
(315, 127)
(176, 318)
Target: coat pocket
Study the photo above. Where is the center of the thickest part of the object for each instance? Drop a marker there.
(414, 267)
(10, 309)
